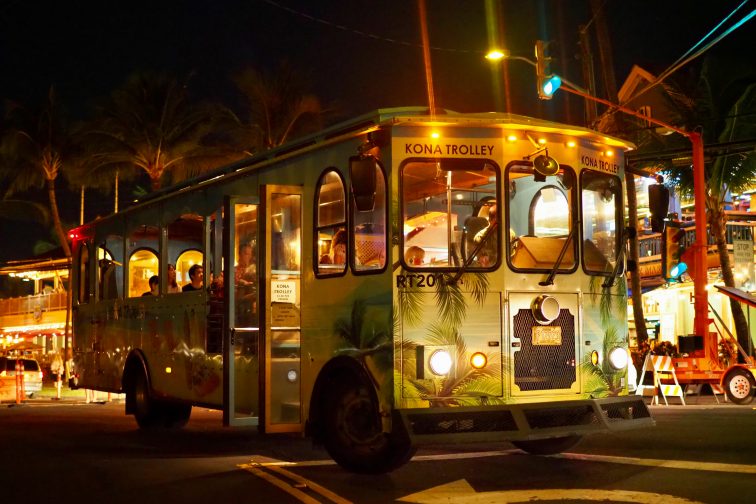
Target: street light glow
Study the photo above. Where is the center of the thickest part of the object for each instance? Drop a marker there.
(497, 54)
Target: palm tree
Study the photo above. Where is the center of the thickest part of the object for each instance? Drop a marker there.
(725, 110)
(35, 150)
(278, 107)
(151, 125)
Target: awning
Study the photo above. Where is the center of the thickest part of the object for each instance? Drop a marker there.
(737, 295)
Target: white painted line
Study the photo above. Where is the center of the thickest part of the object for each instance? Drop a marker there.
(292, 482)
(689, 465)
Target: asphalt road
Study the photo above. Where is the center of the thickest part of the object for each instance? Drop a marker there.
(69, 451)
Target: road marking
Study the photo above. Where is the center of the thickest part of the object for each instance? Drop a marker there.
(264, 470)
(663, 463)
(460, 492)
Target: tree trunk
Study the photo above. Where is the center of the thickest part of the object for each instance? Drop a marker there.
(718, 223)
(62, 238)
(635, 280)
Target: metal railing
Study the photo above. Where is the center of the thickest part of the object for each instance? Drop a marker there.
(32, 304)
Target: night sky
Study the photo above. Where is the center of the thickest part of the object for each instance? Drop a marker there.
(87, 48)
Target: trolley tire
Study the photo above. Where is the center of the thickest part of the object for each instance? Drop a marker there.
(175, 416)
(549, 446)
(739, 386)
(146, 411)
(353, 435)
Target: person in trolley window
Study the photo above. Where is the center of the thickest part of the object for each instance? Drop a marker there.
(172, 284)
(486, 239)
(197, 277)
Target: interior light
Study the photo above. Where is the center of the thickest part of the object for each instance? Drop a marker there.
(478, 360)
(610, 153)
(291, 375)
(440, 362)
(168, 370)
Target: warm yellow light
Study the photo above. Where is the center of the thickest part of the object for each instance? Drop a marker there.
(168, 370)
(497, 54)
(478, 360)
(571, 144)
(610, 153)
(435, 134)
(542, 141)
(512, 138)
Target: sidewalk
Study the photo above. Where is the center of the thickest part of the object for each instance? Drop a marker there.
(48, 394)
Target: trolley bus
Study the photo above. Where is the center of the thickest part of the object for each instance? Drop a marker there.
(394, 280)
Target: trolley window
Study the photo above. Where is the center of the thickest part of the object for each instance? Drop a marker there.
(601, 203)
(330, 225)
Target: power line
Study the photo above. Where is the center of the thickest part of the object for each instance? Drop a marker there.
(364, 34)
(682, 61)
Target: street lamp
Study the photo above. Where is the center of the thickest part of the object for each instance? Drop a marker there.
(701, 320)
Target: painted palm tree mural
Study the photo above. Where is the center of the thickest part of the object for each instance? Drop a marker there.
(449, 305)
(603, 380)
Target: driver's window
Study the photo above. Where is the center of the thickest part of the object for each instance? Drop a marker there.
(450, 214)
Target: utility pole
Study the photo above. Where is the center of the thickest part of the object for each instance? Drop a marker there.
(589, 76)
(610, 81)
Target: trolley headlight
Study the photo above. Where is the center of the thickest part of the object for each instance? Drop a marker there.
(618, 358)
(478, 360)
(545, 309)
(440, 362)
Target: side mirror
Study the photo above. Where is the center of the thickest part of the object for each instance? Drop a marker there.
(362, 172)
(658, 205)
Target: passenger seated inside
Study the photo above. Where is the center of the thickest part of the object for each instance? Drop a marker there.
(414, 256)
(172, 284)
(337, 255)
(487, 237)
(154, 286)
(196, 275)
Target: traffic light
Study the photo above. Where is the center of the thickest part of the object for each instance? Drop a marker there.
(673, 265)
(546, 82)
(658, 205)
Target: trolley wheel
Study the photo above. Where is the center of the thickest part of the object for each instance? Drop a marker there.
(739, 386)
(549, 446)
(146, 410)
(175, 416)
(353, 435)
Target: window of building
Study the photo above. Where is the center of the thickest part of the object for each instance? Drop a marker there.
(331, 243)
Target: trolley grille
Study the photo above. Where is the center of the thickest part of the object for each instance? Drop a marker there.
(544, 367)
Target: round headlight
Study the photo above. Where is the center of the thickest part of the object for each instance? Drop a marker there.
(545, 309)
(291, 375)
(440, 362)
(618, 358)
(478, 360)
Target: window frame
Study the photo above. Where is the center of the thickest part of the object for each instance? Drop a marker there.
(351, 255)
(316, 227)
(84, 294)
(619, 207)
(497, 200)
(574, 209)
